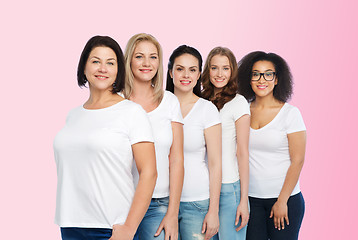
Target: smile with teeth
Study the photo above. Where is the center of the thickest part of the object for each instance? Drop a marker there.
(261, 86)
(145, 70)
(185, 82)
(220, 79)
(101, 77)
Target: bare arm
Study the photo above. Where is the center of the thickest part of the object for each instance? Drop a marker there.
(144, 155)
(213, 147)
(297, 148)
(176, 177)
(242, 126)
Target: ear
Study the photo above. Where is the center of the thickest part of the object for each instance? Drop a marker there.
(276, 81)
(171, 73)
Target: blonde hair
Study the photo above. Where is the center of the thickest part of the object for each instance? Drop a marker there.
(157, 81)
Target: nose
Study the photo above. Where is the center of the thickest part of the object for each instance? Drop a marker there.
(146, 62)
(261, 79)
(186, 74)
(103, 67)
(220, 71)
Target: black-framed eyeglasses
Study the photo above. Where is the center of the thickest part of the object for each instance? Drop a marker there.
(268, 76)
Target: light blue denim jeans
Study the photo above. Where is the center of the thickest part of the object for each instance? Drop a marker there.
(153, 217)
(191, 218)
(229, 200)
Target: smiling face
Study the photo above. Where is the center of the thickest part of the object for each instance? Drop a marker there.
(145, 61)
(101, 68)
(220, 71)
(185, 72)
(263, 88)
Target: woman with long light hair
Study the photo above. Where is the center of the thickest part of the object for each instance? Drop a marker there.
(144, 85)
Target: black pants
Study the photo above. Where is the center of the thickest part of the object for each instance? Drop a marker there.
(73, 233)
(261, 226)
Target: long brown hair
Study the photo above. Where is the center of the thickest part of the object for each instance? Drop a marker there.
(229, 91)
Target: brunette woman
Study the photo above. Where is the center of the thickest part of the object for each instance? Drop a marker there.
(277, 148)
(220, 87)
(96, 198)
(199, 206)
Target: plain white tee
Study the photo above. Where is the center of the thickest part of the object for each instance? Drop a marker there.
(203, 115)
(231, 112)
(269, 153)
(161, 120)
(94, 159)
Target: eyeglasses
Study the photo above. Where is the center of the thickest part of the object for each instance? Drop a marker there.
(268, 76)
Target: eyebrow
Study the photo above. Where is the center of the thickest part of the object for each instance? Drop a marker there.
(143, 53)
(178, 65)
(109, 59)
(265, 70)
(213, 65)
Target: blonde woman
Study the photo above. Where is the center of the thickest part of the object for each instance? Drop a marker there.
(220, 87)
(144, 85)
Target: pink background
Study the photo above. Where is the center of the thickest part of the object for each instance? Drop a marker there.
(40, 46)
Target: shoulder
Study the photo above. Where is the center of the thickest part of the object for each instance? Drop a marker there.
(291, 110)
(205, 104)
(128, 107)
(169, 98)
(238, 101)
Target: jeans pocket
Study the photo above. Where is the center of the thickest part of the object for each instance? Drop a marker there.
(202, 206)
(163, 201)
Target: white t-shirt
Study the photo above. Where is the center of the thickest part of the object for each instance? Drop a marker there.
(231, 112)
(269, 153)
(94, 159)
(203, 115)
(161, 120)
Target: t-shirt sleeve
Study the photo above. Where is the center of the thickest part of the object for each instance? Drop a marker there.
(211, 115)
(140, 128)
(295, 121)
(175, 110)
(241, 107)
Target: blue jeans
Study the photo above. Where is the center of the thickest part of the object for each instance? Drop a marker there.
(153, 217)
(191, 218)
(261, 226)
(73, 233)
(229, 200)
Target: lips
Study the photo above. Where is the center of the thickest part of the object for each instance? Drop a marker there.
(262, 87)
(145, 70)
(185, 82)
(219, 79)
(101, 77)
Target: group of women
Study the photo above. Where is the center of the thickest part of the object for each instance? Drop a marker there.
(194, 161)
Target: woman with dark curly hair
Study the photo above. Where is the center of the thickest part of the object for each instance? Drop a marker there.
(220, 86)
(276, 147)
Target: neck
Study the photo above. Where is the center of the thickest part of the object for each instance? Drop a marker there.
(99, 97)
(266, 101)
(217, 90)
(184, 97)
(142, 89)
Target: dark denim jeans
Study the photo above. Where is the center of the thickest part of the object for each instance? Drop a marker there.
(72, 233)
(261, 226)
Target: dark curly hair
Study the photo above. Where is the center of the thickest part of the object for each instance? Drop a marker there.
(184, 49)
(229, 91)
(283, 88)
(102, 41)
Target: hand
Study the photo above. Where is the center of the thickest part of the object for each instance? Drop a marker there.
(279, 214)
(170, 226)
(243, 212)
(210, 225)
(122, 232)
